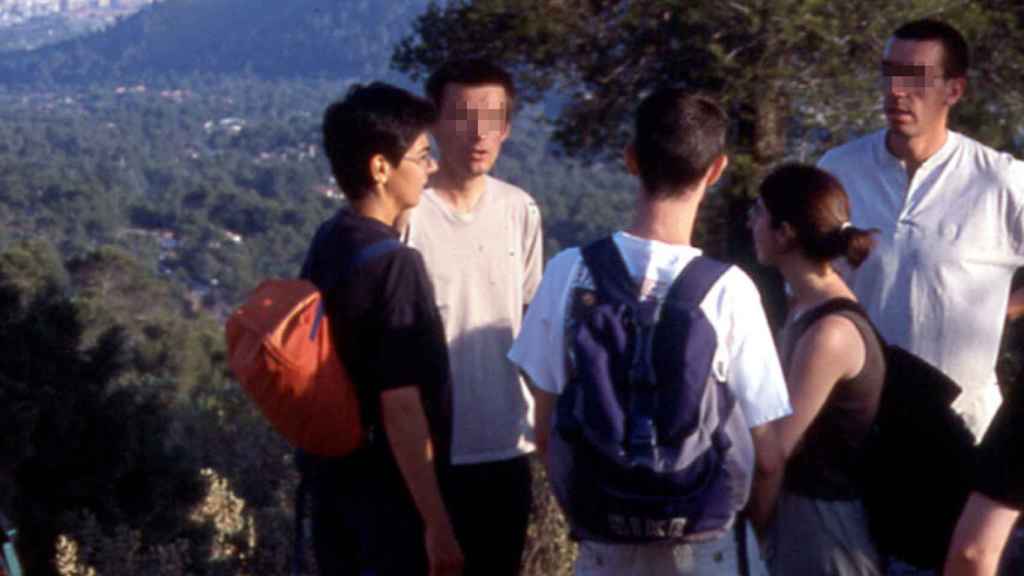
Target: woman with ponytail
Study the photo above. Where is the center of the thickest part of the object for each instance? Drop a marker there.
(834, 368)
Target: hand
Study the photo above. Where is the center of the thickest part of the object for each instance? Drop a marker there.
(443, 552)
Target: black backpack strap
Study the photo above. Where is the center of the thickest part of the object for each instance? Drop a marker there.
(692, 284)
(609, 271)
(739, 527)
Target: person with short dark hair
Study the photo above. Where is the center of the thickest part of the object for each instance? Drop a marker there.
(472, 72)
(482, 243)
(678, 152)
(380, 509)
(948, 210)
(835, 371)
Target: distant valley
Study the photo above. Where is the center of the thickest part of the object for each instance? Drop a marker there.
(188, 135)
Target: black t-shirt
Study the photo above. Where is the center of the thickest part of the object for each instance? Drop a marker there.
(1001, 454)
(384, 320)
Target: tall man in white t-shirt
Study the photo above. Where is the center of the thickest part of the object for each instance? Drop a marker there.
(677, 152)
(481, 240)
(950, 215)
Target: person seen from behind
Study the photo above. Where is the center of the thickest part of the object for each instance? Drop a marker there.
(380, 509)
(835, 371)
(702, 440)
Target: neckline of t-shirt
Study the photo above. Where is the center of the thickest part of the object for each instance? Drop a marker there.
(656, 257)
(627, 238)
(366, 221)
(454, 215)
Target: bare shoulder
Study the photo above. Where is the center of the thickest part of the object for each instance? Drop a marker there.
(833, 339)
(832, 332)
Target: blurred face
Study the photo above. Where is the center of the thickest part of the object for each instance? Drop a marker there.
(766, 239)
(472, 128)
(916, 94)
(407, 179)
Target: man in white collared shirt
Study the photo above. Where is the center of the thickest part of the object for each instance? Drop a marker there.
(949, 214)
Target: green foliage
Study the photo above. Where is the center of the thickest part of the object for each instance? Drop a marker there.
(163, 329)
(126, 448)
(221, 187)
(73, 439)
(797, 75)
(549, 551)
(171, 177)
(31, 265)
(578, 202)
(173, 160)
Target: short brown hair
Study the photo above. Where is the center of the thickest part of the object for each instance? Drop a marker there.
(470, 72)
(679, 133)
(955, 58)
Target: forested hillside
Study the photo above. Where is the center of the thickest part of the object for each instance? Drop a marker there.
(149, 176)
(219, 186)
(154, 172)
(268, 39)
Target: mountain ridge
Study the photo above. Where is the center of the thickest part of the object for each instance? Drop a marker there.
(271, 39)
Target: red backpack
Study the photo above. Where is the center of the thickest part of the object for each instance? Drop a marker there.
(280, 349)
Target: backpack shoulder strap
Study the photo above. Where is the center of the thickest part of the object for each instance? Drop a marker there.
(695, 281)
(361, 258)
(368, 253)
(364, 255)
(608, 270)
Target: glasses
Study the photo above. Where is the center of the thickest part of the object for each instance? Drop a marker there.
(425, 160)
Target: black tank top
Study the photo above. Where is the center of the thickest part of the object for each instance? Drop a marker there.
(825, 462)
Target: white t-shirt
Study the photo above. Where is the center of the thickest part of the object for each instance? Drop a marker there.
(485, 266)
(746, 357)
(950, 240)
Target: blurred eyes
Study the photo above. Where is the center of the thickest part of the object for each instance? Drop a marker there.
(485, 122)
(910, 76)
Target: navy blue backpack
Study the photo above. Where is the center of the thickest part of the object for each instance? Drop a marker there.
(648, 445)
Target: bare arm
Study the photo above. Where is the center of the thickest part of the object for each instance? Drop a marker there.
(769, 465)
(830, 350)
(406, 425)
(1016, 306)
(543, 408)
(980, 536)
